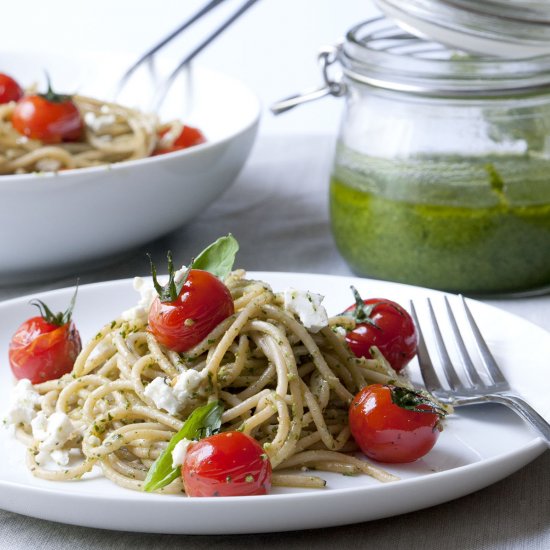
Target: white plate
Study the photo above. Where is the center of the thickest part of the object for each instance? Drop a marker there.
(53, 222)
(478, 447)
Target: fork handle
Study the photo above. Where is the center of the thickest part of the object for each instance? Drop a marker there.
(518, 405)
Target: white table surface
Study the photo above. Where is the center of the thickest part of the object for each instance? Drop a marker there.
(289, 167)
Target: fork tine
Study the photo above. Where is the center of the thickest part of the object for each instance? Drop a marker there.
(487, 357)
(470, 369)
(477, 394)
(452, 378)
(431, 380)
(159, 45)
(163, 90)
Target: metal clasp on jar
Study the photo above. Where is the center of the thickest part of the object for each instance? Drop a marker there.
(332, 84)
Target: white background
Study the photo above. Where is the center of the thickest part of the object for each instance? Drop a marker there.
(272, 48)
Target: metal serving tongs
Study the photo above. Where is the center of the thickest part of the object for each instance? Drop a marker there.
(163, 88)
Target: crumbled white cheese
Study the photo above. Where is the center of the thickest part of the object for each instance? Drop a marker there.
(147, 294)
(60, 457)
(52, 432)
(48, 165)
(173, 398)
(307, 305)
(180, 451)
(187, 383)
(98, 123)
(23, 401)
(162, 395)
(340, 330)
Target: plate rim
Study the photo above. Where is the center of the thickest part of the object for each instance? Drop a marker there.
(509, 461)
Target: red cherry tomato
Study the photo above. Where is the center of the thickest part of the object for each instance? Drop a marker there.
(387, 431)
(188, 137)
(201, 305)
(389, 327)
(40, 350)
(9, 89)
(50, 118)
(226, 464)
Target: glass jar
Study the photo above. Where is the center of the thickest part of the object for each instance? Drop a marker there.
(442, 170)
(503, 28)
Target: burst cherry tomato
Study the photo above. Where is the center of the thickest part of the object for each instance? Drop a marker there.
(226, 464)
(49, 117)
(392, 424)
(188, 137)
(184, 314)
(45, 347)
(384, 324)
(9, 89)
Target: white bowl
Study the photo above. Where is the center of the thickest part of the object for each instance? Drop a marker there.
(52, 223)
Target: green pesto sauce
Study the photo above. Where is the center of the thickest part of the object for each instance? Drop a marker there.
(478, 225)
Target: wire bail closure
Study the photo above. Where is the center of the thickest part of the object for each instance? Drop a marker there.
(332, 85)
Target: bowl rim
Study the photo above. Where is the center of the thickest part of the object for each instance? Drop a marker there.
(253, 102)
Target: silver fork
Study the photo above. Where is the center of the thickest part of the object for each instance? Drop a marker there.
(474, 391)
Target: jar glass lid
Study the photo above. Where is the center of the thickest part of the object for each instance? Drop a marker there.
(503, 28)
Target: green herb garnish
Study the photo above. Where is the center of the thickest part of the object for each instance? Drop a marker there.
(203, 422)
(219, 257)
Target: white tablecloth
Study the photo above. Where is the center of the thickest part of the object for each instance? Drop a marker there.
(278, 211)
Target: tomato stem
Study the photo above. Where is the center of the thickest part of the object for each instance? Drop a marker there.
(413, 400)
(58, 319)
(52, 96)
(362, 312)
(170, 291)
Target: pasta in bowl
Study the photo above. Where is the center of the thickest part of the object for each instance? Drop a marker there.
(50, 132)
(94, 198)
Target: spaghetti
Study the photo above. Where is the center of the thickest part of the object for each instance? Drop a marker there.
(112, 133)
(279, 382)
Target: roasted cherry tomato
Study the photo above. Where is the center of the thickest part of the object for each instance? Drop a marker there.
(49, 117)
(45, 347)
(384, 324)
(392, 424)
(9, 89)
(185, 313)
(188, 137)
(227, 464)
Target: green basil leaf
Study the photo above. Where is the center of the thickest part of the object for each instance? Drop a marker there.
(202, 422)
(219, 257)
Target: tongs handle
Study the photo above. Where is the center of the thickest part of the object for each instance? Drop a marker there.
(164, 87)
(151, 52)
